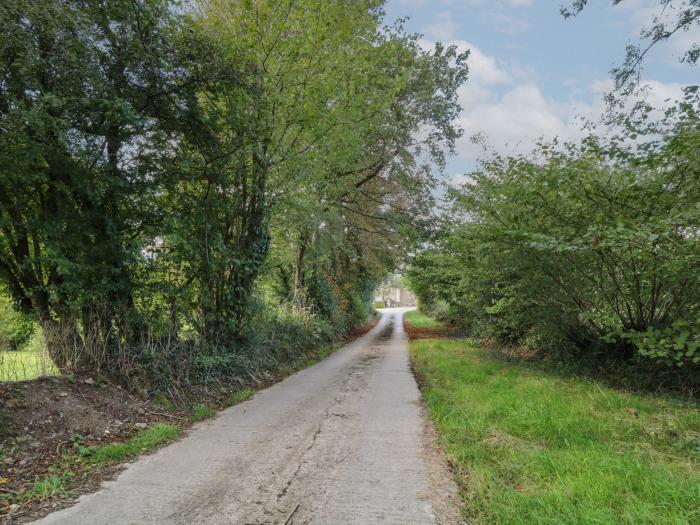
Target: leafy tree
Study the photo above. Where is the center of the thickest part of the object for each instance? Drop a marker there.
(594, 245)
(82, 86)
(168, 165)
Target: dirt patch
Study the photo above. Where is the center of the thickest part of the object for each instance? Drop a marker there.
(45, 418)
(444, 496)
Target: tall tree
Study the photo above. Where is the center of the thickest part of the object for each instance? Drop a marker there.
(80, 87)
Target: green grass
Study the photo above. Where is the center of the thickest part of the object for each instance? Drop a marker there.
(531, 447)
(29, 363)
(148, 439)
(46, 488)
(420, 320)
(201, 412)
(240, 396)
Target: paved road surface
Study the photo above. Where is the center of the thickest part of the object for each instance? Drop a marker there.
(341, 442)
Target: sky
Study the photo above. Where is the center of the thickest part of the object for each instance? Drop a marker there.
(533, 73)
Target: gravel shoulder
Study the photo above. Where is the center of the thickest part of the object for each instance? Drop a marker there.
(343, 441)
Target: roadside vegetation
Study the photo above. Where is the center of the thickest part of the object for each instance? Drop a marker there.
(584, 253)
(195, 194)
(572, 273)
(78, 459)
(529, 445)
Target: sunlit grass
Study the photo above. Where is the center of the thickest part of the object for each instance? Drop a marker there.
(419, 320)
(529, 446)
(29, 363)
(149, 439)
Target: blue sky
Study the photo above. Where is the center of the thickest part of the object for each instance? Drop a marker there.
(532, 72)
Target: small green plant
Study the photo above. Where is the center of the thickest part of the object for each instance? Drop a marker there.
(46, 488)
(78, 442)
(162, 401)
(201, 412)
(82, 457)
(240, 396)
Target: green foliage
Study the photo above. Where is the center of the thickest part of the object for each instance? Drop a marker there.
(81, 457)
(46, 488)
(178, 175)
(530, 446)
(675, 345)
(589, 247)
(146, 440)
(16, 328)
(684, 16)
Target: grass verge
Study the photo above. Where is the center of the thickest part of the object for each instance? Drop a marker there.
(529, 446)
(78, 458)
(418, 319)
(240, 396)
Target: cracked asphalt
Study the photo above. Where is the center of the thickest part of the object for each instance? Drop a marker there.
(342, 442)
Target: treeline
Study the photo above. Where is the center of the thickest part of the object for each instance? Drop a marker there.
(581, 250)
(187, 188)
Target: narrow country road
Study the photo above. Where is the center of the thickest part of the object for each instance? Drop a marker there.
(341, 442)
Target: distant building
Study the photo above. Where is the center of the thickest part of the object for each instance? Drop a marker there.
(391, 293)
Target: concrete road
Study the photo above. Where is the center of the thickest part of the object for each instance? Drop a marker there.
(341, 442)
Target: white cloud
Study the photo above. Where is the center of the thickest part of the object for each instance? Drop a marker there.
(443, 27)
(504, 104)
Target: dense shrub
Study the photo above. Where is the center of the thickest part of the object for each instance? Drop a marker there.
(592, 247)
(16, 328)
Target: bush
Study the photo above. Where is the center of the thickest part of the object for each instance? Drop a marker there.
(593, 246)
(16, 328)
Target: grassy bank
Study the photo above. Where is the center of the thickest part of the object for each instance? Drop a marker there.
(529, 446)
(57, 463)
(418, 319)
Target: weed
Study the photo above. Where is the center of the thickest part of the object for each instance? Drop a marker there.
(46, 488)
(144, 441)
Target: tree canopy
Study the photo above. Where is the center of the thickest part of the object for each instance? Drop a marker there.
(173, 172)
